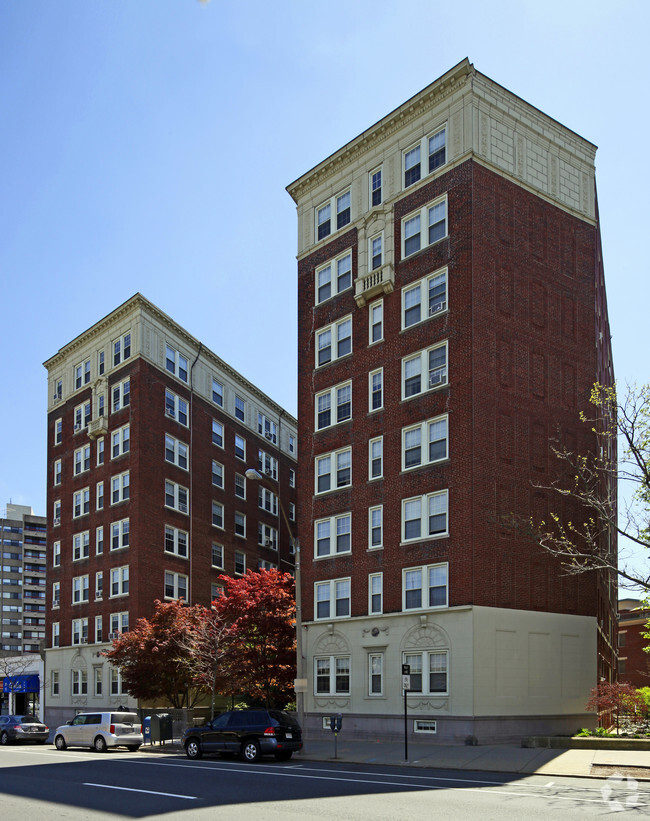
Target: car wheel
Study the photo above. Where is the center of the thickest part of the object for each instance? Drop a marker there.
(193, 748)
(283, 755)
(100, 744)
(251, 751)
(133, 747)
(4, 739)
(59, 743)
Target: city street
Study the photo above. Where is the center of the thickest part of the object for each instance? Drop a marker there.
(40, 782)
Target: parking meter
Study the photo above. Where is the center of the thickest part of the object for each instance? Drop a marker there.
(335, 723)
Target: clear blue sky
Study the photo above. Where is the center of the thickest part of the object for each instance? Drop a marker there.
(145, 146)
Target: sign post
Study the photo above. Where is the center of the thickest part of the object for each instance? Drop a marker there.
(335, 726)
(406, 686)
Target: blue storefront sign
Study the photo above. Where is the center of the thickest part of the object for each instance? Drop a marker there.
(21, 684)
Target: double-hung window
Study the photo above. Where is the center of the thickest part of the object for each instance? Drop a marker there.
(121, 349)
(217, 555)
(376, 527)
(176, 363)
(176, 541)
(376, 458)
(374, 181)
(217, 433)
(240, 486)
(81, 546)
(240, 447)
(376, 389)
(424, 227)
(240, 524)
(267, 464)
(217, 474)
(432, 149)
(82, 374)
(217, 515)
(217, 392)
(175, 585)
(176, 496)
(240, 408)
(332, 215)
(120, 534)
(175, 452)
(334, 341)
(424, 298)
(240, 562)
(334, 277)
(424, 517)
(81, 417)
(424, 370)
(333, 535)
(175, 407)
(375, 252)
(119, 581)
(332, 675)
(121, 395)
(120, 441)
(375, 593)
(334, 470)
(332, 599)
(425, 443)
(267, 427)
(376, 322)
(120, 488)
(334, 405)
(424, 587)
(80, 636)
(267, 536)
(80, 586)
(429, 671)
(80, 503)
(267, 500)
(81, 460)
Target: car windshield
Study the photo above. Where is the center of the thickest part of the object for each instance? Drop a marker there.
(124, 718)
(283, 718)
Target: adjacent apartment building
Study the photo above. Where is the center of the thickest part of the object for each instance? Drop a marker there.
(22, 580)
(150, 435)
(452, 320)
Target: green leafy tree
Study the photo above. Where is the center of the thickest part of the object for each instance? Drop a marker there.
(260, 643)
(152, 657)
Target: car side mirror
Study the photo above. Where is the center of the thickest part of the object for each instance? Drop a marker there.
(69, 721)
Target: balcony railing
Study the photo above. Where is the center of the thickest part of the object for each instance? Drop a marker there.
(373, 283)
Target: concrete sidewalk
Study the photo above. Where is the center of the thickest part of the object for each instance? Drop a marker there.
(488, 758)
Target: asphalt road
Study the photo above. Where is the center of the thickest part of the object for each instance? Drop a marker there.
(43, 783)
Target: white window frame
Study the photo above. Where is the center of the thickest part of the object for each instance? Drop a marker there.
(119, 581)
(240, 561)
(81, 503)
(120, 395)
(267, 536)
(292, 443)
(176, 408)
(99, 540)
(81, 460)
(99, 503)
(217, 433)
(239, 408)
(375, 455)
(217, 392)
(331, 529)
(55, 689)
(58, 431)
(429, 380)
(267, 464)
(375, 252)
(420, 218)
(427, 310)
(176, 542)
(424, 500)
(99, 585)
(119, 624)
(217, 515)
(422, 432)
(101, 451)
(82, 416)
(80, 631)
(240, 486)
(376, 320)
(333, 470)
(57, 472)
(375, 513)
(410, 575)
(267, 500)
(267, 428)
(340, 278)
(424, 155)
(56, 595)
(330, 210)
(240, 524)
(375, 184)
(330, 592)
(120, 534)
(97, 670)
(120, 441)
(330, 399)
(216, 556)
(80, 589)
(333, 674)
(334, 329)
(292, 477)
(240, 447)
(218, 473)
(379, 373)
(56, 633)
(426, 657)
(56, 554)
(375, 672)
(121, 349)
(181, 497)
(375, 593)
(101, 363)
(179, 582)
(176, 363)
(120, 487)
(81, 546)
(176, 452)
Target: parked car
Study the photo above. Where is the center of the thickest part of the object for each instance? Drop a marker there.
(23, 728)
(249, 733)
(100, 731)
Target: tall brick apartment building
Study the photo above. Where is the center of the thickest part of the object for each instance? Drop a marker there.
(149, 438)
(452, 317)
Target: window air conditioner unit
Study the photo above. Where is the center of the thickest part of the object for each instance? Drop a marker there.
(55, 602)
(57, 520)
(77, 428)
(435, 379)
(112, 636)
(439, 306)
(269, 436)
(84, 640)
(182, 507)
(99, 596)
(170, 412)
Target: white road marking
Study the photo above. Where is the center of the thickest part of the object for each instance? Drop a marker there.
(132, 789)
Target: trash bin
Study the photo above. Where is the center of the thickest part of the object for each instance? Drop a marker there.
(161, 727)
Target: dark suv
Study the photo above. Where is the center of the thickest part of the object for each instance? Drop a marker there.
(250, 733)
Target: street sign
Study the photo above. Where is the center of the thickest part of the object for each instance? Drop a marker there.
(406, 669)
(406, 682)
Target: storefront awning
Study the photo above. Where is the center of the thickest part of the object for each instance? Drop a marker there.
(21, 684)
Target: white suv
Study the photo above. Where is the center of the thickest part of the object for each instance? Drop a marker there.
(100, 731)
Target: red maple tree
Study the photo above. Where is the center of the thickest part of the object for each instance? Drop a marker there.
(617, 697)
(260, 659)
